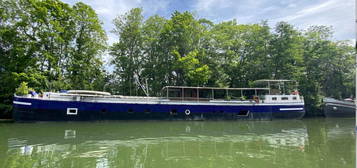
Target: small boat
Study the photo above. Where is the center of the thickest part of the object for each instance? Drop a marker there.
(339, 108)
(178, 103)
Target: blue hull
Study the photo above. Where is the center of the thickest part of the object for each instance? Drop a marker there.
(28, 109)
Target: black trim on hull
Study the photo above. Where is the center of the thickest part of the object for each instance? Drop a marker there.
(339, 111)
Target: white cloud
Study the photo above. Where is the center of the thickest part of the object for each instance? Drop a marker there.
(311, 10)
(207, 5)
(303, 13)
(292, 5)
(336, 13)
(103, 11)
(151, 7)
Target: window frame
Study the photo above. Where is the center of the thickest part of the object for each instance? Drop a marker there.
(284, 98)
(69, 111)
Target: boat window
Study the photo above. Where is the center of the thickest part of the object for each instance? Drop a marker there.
(243, 113)
(284, 98)
(72, 111)
(173, 112)
(130, 110)
(294, 98)
(274, 98)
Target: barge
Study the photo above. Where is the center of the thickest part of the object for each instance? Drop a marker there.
(339, 108)
(179, 103)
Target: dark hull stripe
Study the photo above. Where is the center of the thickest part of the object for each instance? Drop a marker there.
(341, 104)
(339, 111)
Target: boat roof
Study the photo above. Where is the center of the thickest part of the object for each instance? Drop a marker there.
(211, 88)
(88, 92)
(274, 80)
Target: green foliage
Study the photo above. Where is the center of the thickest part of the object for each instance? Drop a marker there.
(328, 68)
(23, 89)
(50, 45)
(127, 53)
(85, 63)
(286, 52)
(194, 72)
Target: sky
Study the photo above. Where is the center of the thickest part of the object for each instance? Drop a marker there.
(339, 14)
(301, 13)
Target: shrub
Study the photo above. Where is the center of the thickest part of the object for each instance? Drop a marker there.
(23, 89)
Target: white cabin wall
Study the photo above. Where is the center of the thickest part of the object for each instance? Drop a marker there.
(283, 98)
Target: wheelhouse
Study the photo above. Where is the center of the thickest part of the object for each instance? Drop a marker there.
(185, 93)
(280, 86)
(267, 91)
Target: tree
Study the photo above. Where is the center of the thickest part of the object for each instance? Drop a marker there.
(195, 74)
(85, 62)
(181, 34)
(327, 68)
(286, 52)
(223, 49)
(50, 45)
(128, 51)
(154, 70)
(240, 53)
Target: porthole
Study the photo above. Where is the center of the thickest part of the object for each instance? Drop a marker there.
(243, 113)
(130, 111)
(147, 111)
(187, 112)
(173, 112)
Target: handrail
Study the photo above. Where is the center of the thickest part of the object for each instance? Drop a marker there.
(88, 92)
(210, 88)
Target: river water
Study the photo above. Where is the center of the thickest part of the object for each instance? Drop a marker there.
(168, 144)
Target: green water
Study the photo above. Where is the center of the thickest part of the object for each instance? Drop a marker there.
(164, 144)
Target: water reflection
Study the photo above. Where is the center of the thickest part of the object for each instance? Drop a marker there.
(69, 134)
(309, 143)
